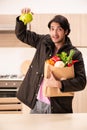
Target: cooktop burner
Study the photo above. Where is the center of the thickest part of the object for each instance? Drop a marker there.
(11, 76)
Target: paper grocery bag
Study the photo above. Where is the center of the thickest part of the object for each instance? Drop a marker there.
(55, 92)
(59, 73)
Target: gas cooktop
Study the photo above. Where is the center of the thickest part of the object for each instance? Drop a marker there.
(11, 77)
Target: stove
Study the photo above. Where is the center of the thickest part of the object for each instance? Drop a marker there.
(9, 85)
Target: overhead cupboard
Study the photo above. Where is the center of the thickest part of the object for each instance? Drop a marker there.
(78, 25)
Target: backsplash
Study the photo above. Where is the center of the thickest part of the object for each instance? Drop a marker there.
(11, 59)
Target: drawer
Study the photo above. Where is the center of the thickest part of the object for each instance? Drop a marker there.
(10, 105)
(15, 107)
(9, 100)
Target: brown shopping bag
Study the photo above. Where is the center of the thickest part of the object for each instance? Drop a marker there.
(59, 73)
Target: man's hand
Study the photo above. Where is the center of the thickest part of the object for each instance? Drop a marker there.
(52, 82)
(25, 10)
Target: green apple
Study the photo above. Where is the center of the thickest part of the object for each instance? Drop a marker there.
(26, 18)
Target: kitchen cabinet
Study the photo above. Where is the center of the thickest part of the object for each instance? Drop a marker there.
(77, 24)
(9, 39)
(40, 25)
(8, 100)
(79, 102)
(7, 32)
(10, 105)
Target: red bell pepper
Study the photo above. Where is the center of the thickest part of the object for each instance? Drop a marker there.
(73, 62)
(55, 58)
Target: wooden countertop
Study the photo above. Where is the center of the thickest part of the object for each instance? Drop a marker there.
(43, 121)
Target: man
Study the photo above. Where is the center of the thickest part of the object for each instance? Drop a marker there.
(46, 46)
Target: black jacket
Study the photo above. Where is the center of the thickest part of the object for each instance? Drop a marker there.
(44, 50)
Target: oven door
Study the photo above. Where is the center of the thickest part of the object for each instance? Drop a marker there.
(8, 92)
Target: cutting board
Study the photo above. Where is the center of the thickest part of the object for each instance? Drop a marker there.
(25, 66)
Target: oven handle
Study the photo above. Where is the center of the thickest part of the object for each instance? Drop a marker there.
(9, 89)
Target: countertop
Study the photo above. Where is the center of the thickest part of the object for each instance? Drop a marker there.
(43, 121)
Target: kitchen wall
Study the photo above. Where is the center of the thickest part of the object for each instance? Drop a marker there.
(46, 6)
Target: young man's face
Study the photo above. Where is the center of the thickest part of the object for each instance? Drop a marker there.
(57, 33)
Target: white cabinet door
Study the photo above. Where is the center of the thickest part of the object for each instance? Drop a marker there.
(80, 101)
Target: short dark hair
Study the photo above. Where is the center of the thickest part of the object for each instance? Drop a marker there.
(62, 21)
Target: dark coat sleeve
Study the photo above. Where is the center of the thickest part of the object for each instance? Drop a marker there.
(26, 36)
(79, 81)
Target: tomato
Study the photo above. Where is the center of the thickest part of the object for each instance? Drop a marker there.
(55, 58)
(69, 64)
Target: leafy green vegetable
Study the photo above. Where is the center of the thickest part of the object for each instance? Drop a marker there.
(69, 58)
(66, 58)
(63, 56)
